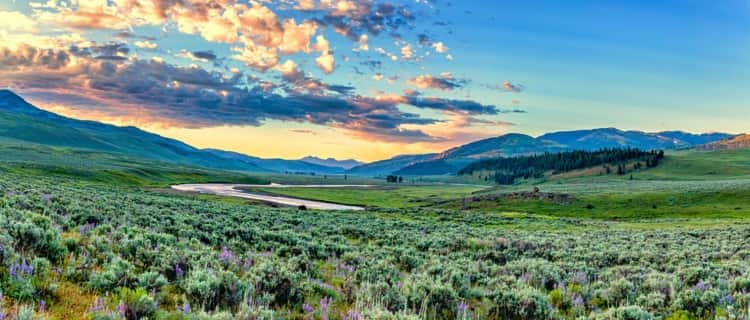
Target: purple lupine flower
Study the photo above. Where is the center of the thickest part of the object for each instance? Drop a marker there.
(45, 197)
(26, 268)
(560, 285)
(178, 271)
(226, 255)
(98, 306)
(463, 307)
(121, 309)
(353, 315)
(247, 264)
(578, 300)
(42, 306)
(702, 286)
(728, 299)
(325, 304)
(86, 228)
(186, 308)
(307, 308)
(18, 271)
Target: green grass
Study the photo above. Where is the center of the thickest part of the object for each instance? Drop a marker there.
(702, 165)
(35, 160)
(380, 196)
(723, 204)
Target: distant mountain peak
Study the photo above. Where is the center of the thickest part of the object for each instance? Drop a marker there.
(332, 162)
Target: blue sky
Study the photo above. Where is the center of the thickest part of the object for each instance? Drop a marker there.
(429, 74)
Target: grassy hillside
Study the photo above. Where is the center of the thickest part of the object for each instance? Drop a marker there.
(37, 160)
(702, 165)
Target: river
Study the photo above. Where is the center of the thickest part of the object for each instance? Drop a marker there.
(234, 190)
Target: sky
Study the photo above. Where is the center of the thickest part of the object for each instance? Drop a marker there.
(372, 79)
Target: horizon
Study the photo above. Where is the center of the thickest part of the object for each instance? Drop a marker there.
(369, 80)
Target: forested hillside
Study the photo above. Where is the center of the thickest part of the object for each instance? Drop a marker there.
(507, 170)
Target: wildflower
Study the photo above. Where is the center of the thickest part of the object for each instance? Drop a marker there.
(578, 300)
(42, 306)
(462, 309)
(325, 303)
(186, 308)
(178, 271)
(226, 256)
(98, 306)
(307, 308)
(247, 264)
(351, 315)
(728, 299)
(86, 228)
(702, 286)
(18, 271)
(121, 309)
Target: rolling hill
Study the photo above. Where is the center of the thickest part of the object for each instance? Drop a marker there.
(388, 166)
(513, 144)
(21, 122)
(738, 142)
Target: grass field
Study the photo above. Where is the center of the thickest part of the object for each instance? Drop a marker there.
(380, 196)
(107, 241)
(702, 165)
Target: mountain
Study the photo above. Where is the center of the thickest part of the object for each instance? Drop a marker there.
(21, 122)
(385, 167)
(737, 142)
(509, 145)
(452, 160)
(278, 165)
(331, 162)
(615, 138)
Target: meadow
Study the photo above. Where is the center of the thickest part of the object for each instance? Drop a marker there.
(85, 247)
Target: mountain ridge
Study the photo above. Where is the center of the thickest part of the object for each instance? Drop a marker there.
(514, 144)
(21, 121)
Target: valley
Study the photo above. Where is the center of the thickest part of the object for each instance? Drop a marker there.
(97, 232)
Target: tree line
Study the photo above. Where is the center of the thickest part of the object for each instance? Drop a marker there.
(507, 170)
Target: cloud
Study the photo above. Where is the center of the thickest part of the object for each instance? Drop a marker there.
(443, 82)
(325, 61)
(202, 56)
(440, 47)
(363, 45)
(145, 44)
(11, 21)
(510, 87)
(303, 131)
(162, 94)
(407, 52)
